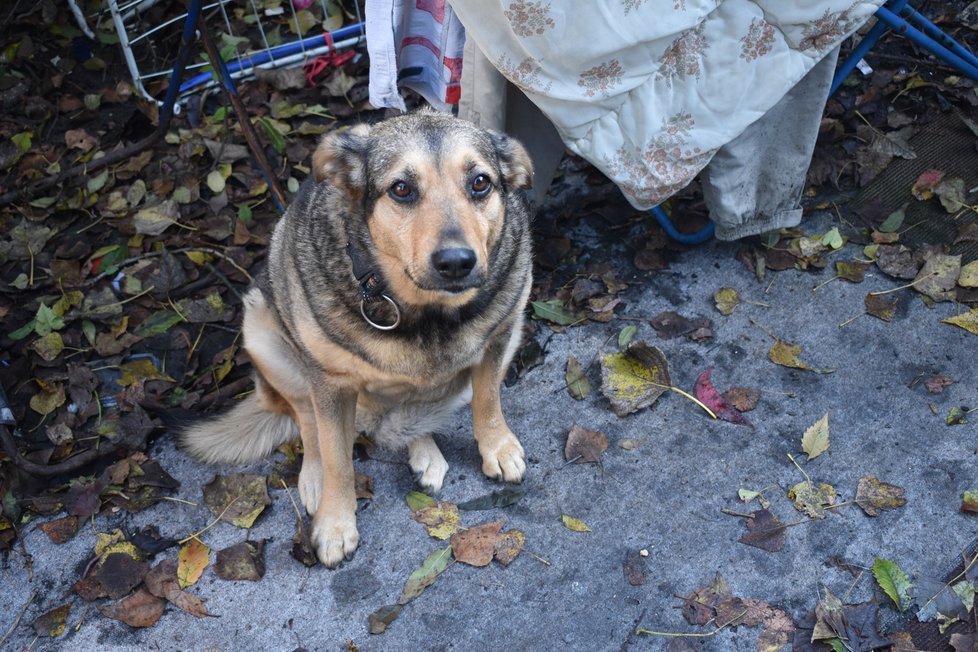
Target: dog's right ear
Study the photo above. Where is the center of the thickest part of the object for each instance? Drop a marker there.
(340, 158)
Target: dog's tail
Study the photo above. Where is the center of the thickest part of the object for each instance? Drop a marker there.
(246, 433)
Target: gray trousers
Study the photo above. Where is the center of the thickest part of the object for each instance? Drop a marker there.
(752, 185)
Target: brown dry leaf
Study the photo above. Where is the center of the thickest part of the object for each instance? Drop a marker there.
(938, 383)
(80, 139)
(302, 549)
(584, 445)
(851, 271)
(242, 561)
(442, 520)
(743, 399)
(633, 567)
(874, 496)
(477, 545)
(764, 531)
(733, 612)
(880, 306)
(141, 609)
(938, 277)
(509, 546)
(670, 324)
(60, 529)
(161, 581)
(364, 486)
(778, 630)
(699, 607)
(118, 573)
(897, 261)
(194, 557)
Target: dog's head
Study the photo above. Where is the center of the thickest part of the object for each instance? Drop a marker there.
(435, 190)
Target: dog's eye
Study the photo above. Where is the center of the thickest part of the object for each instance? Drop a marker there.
(401, 191)
(481, 185)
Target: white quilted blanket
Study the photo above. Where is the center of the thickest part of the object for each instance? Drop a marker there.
(648, 90)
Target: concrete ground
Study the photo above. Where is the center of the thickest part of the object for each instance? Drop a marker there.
(665, 497)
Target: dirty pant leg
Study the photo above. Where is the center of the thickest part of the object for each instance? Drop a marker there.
(755, 182)
(489, 101)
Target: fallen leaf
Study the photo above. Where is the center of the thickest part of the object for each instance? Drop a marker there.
(193, 558)
(442, 520)
(162, 582)
(501, 498)
(709, 396)
(141, 609)
(52, 623)
(964, 642)
(154, 220)
(630, 444)
(242, 561)
(380, 620)
(584, 445)
(812, 500)
(874, 496)
(938, 383)
(743, 399)
(576, 380)
(60, 530)
(726, 299)
(634, 379)
(699, 607)
(476, 546)
(416, 500)
(426, 574)
(956, 416)
(851, 271)
(897, 261)
(815, 441)
(968, 321)
(968, 276)
(923, 187)
(555, 312)
(118, 573)
(969, 501)
(508, 546)
(938, 277)
(575, 524)
(786, 355)
(237, 498)
(894, 220)
(302, 549)
(880, 306)
(951, 192)
(633, 566)
(777, 633)
(764, 531)
(893, 581)
(669, 325)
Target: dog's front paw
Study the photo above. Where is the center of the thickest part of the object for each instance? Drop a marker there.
(310, 484)
(428, 463)
(335, 539)
(503, 459)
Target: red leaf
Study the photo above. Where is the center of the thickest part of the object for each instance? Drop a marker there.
(708, 394)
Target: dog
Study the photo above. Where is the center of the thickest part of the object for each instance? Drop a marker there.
(393, 295)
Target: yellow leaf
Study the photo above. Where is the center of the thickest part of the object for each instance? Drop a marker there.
(726, 300)
(968, 321)
(786, 355)
(968, 278)
(442, 520)
(193, 559)
(575, 524)
(815, 441)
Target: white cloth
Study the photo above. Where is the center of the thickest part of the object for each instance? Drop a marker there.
(417, 44)
(649, 90)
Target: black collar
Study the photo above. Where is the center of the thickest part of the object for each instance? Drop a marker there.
(371, 287)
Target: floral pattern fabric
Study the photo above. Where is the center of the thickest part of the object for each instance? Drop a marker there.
(649, 90)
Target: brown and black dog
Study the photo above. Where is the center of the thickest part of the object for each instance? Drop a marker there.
(393, 295)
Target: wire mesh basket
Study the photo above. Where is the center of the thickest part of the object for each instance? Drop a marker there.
(253, 34)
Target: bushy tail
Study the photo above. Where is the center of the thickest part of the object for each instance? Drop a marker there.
(244, 434)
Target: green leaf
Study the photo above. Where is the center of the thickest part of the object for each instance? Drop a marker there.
(426, 574)
(417, 500)
(23, 140)
(158, 323)
(47, 321)
(577, 382)
(893, 581)
(815, 441)
(22, 332)
(244, 213)
(554, 311)
(833, 238)
(626, 336)
(275, 138)
(894, 221)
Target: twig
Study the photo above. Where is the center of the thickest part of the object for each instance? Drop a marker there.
(903, 287)
(20, 615)
(693, 634)
(224, 511)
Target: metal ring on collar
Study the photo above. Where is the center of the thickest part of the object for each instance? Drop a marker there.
(382, 327)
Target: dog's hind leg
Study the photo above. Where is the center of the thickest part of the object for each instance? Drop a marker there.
(428, 463)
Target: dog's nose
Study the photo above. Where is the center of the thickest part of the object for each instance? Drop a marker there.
(453, 263)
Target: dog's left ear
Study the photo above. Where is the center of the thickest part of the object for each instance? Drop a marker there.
(514, 160)
(340, 158)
